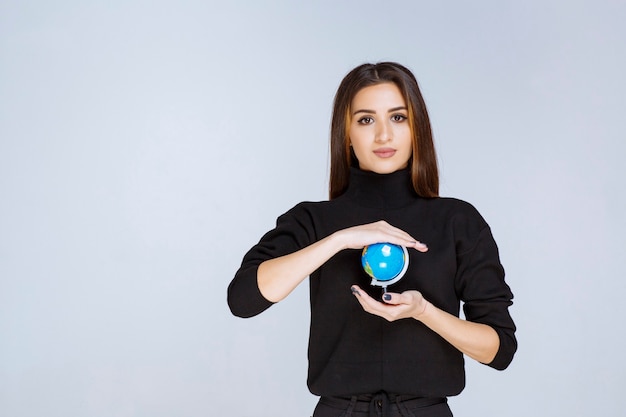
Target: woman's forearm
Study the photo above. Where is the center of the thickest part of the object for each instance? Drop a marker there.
(476, 340)
(277, 277)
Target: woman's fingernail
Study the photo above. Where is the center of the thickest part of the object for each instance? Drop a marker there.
(387, 297)
(355, 291)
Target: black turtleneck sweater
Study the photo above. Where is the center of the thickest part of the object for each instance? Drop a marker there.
(352, 352)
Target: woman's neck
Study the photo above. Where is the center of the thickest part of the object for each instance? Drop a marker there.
(381, 190)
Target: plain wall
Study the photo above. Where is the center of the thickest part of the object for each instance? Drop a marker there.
(145, 146)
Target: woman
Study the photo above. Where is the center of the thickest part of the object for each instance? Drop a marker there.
(399, 353)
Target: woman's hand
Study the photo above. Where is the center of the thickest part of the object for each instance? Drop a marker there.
(476, 340)
(409, 304)
(358, 237)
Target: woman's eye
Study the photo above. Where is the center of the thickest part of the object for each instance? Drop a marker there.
(365, 120)
(398, 117)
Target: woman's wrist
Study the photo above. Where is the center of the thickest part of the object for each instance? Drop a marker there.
(422, 314)
(338, 240)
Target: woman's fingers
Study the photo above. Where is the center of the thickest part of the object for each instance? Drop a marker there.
(387, 311)
(395, 306)
(378, 232)
(420, 246)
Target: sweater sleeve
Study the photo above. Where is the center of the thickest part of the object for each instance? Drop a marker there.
(293, 231)
(481, 286)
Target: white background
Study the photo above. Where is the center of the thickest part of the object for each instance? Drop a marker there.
(146, 145)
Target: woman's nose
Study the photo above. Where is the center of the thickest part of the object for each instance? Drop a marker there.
(383, 132)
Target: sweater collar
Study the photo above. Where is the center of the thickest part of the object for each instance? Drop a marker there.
(381, 190)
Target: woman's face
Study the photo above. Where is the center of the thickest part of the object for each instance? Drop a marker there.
(380, 134)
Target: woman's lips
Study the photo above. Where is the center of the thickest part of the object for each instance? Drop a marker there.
(385, 152)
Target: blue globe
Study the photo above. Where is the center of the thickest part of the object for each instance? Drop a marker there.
(384, 261)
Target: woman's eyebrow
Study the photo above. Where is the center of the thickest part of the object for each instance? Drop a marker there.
(363, 111)
(374, 112)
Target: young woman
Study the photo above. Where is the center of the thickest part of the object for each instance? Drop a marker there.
(399, 353)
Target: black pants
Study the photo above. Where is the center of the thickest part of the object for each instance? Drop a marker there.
(382, 405)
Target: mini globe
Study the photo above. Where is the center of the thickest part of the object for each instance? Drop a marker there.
(385, 263)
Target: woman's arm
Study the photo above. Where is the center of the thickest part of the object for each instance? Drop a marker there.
(476, 340)
(277, 277)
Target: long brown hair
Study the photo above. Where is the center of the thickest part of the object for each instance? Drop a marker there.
(423, 163)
